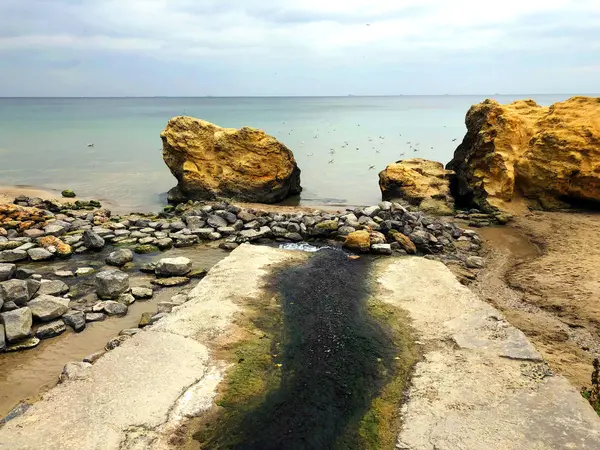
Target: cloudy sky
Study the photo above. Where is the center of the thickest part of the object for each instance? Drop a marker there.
(298, 47)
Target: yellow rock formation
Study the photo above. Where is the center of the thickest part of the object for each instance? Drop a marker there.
(550, 154)
(421, 182)
(211, 162)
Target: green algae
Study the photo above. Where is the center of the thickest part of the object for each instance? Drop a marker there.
(275, 396)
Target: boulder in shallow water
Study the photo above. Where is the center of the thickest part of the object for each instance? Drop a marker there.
(547, 155)
(51, 329)
(48, 307)
(7, 271)
(111, 283)
(17, 324)
(422, 183)
(74, 319)
(119, 257)
(211, 162)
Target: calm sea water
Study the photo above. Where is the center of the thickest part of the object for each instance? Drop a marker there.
(43, 141)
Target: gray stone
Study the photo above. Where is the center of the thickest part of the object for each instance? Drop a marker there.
(47, 307)
(111, 283)
(2, 338)
(186, 241)
(170, 267)
(14, 291)
(371, 211)
(75, 319)
(23, 274)
(229, 217)
(94, 317)
(17, 324)
(164, 243)
(33, 233)
(252, 235)
(345, 231)
(116, 342)
(381, 249)
(245, 216)
(294, 237)
(9, 306)
(203, 233)
(216, 221)
(142, 293)
(75, 371)
(171, 281)
(119, 257)
(27, 246)
(165, 307)
(55, 229)
(93, 240)
(385, 206)
(475, 262)
(226, 231)
(94, 357)
(148, 267)
(12, 256)
(39, 254)
(53, 287)
(293, 227)
(126, 299)
(33, 286)
(195, 222)
(64, 274)
(146, 240)
(7, 271)
(177, 226)
(50, 329)
(114, 308)
(419, 237)
(129, 332)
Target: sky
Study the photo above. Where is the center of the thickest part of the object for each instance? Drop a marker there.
(297, 47)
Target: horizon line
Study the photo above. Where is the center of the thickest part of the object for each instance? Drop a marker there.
(292, 96)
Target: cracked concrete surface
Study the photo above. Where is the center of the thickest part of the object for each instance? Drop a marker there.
(477, 386)
(480, 385)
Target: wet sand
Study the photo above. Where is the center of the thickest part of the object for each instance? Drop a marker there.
(544, 274)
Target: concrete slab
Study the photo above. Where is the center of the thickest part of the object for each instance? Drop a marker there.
(481, 383)
(138, 393)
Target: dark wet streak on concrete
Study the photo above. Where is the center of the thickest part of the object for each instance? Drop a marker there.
(335, 359)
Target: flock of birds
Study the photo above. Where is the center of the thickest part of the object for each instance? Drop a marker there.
(414, 147)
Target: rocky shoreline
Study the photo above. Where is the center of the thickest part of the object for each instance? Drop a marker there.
(34, 230)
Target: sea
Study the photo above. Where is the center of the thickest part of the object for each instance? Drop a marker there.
(340, 143)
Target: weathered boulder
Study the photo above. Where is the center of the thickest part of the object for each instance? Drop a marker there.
(550, 155)
(53, 287)
(211, 162)
(119, 257)
(75, 319)
(113, 308)
(39, 254)
(75, 371)
(92, 240)
(173, 267)
(111, 283)
(405, 243)
(421, 183)
(142, 293)
(48, 307)
(7, 271)
(17, 324)
(50, 329)
(14, 291)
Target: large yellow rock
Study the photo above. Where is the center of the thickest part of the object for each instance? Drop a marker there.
(421, 182)
(211, 162)
(550, 154)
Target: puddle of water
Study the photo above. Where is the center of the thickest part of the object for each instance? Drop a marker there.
(511, 240)
(25, 375)
(302, 247)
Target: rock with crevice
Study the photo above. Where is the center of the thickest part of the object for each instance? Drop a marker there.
(549, 156)
(48, 307)
(211, 162)
(111, 283)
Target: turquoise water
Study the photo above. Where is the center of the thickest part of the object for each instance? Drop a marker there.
(43, 142)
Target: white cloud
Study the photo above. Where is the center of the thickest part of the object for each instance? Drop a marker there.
(323, 28)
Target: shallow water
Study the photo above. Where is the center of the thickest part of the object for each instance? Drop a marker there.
(43, 142)
(26, 374)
